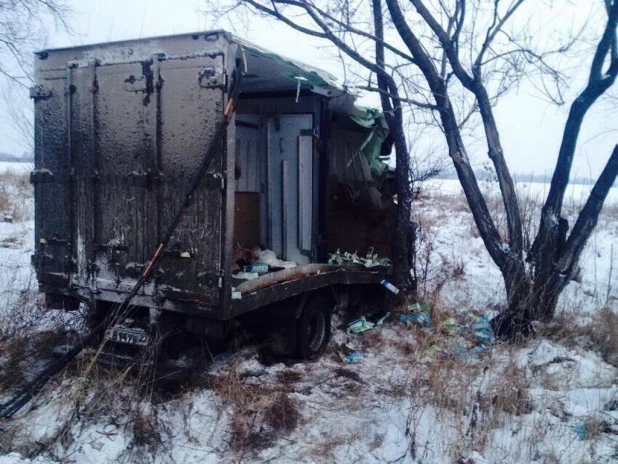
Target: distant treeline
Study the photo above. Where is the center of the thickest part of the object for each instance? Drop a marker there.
(24, 158)
(487, 175)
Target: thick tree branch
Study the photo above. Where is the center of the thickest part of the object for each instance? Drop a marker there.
(394, 118)
(598, 83)
(588, 217)
(494, 145)
(457, 151)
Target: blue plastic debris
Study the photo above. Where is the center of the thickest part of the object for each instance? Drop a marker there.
(471, 354)
(259, 268)
(423, 319)
(581, 430)
(482, 331)
(354, 357)
(360, 325)
(417, 314)
(389, 286)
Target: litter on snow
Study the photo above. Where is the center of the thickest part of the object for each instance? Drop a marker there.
(581, 430)
(465, 340)
(360, 325)
(354, 357)
(423, 319)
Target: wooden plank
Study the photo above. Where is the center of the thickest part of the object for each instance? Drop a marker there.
(347, 275)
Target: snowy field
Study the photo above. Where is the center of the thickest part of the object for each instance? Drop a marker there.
(10, 167)
(416, 395)
(576, 193)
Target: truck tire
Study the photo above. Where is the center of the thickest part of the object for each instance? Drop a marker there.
(313, 328)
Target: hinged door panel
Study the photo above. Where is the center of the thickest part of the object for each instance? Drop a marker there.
(126, 150)
(191, 112)
(52, 178)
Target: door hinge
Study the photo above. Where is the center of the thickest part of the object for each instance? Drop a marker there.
(40, 91)
(214, 182)
(209, 78)
(41, 176)
(135, 84)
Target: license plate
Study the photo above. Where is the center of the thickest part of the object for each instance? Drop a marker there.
(128, 336)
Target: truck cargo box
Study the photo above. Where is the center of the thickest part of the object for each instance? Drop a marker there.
(121, 127)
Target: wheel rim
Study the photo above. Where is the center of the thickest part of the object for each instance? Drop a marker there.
(316, 331)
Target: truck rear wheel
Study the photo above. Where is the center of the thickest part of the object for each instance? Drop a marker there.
(313, 328)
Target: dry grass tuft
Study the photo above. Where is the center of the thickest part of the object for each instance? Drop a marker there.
(261, 413)
(599, 333)
(508, 393)
(604, 336)
(20, 356)
(348, 374)
(146, 430)
(282, 415)
(288, 379)
(16, 195)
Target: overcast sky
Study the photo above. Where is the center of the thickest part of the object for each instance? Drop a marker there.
(530, 128)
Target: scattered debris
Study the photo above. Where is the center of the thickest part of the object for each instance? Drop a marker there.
(581, 430)
(370, 260)
(417, 314)
(483, 331)
(354, 357)
(385, 283)
(465, 339)
(246, 275)
(360, 325)
(423, 319)
(259, 268)
(269, 258)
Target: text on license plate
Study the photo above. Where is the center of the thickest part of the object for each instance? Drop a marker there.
(129, 336)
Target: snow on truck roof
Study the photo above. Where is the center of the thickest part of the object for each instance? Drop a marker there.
(265, 70)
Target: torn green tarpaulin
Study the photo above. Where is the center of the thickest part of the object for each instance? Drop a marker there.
(297, 72)
(372, 118)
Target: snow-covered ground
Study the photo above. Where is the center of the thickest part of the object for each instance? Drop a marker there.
(417, 395)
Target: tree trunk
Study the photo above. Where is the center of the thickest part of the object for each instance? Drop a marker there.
(528, 302)
(394, 118)
(399, 251)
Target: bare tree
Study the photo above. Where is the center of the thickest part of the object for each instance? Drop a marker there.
(24, 25)
(452, 60)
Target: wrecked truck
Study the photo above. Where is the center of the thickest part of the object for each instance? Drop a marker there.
(121, 129)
